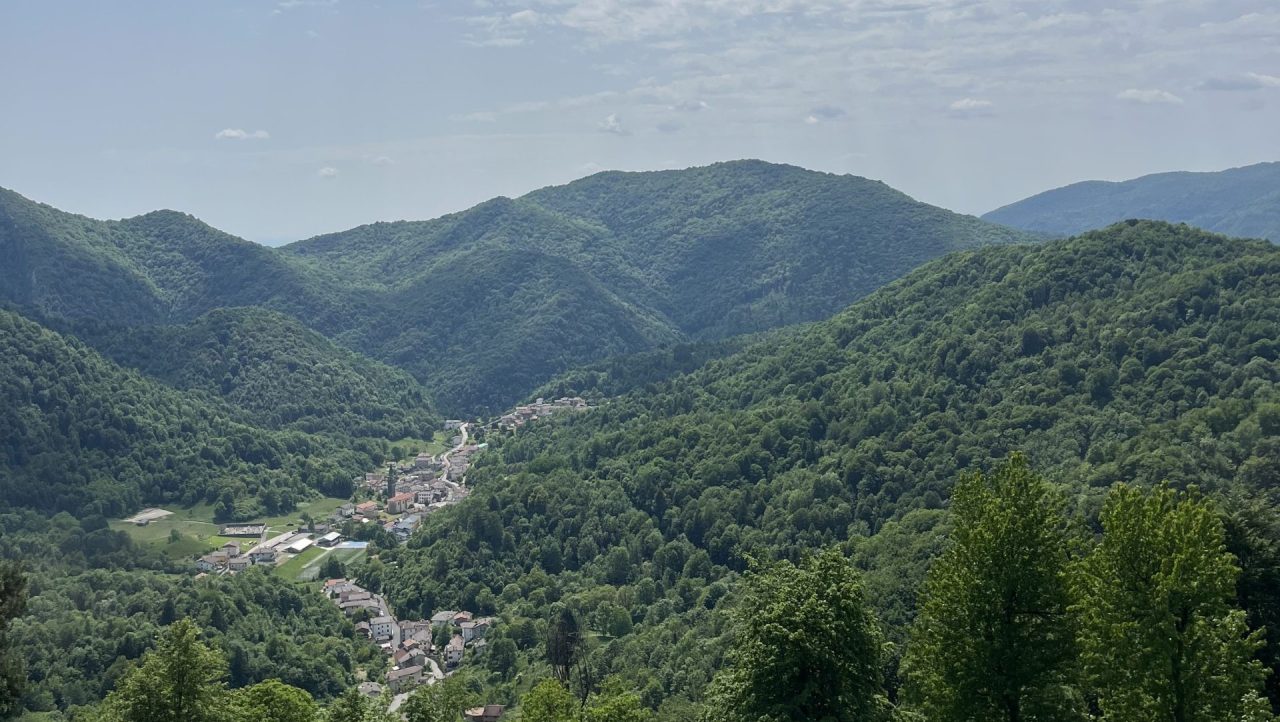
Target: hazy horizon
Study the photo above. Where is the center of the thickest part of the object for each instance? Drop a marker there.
(277, 121)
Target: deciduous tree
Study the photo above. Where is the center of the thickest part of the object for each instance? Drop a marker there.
(994, 640)
(1162, 638)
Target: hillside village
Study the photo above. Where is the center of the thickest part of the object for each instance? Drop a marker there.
(397, 498)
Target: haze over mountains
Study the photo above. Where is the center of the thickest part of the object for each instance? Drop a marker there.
(1242, 202)
(483, 305)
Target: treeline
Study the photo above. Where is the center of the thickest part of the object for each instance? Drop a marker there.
(1023, 618)
(95, 603)
(1143, 353)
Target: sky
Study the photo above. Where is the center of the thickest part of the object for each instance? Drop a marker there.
(278, 120)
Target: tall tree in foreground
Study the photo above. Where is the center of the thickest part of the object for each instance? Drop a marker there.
(549, 701)
(13, 600)
(273, 701)
(181, 680)
(1161, 637)
(994, 639)
(805, 647)
(440, 702)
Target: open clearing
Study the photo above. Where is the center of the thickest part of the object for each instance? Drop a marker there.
(197, 532)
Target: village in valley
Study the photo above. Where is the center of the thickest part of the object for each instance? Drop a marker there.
(397, 498)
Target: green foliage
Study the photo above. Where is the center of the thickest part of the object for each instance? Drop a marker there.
(1161, 636)
(84, 435)
(273, 701)
(1252, 527)
(85, 629)
(483, 306)
(994, 640)
(1239, 202)
(805, 647)
(355, 707)
(13, 600)
(440, 702)
(548, 701)
(270, 370)
(1156, 360)
(181, 680)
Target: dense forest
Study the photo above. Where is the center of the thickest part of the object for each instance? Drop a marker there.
(95, 603)
(277, 372)
(1242, 202)
(82, 434)
(1142, 353)
(1060, 458)
(484, 305)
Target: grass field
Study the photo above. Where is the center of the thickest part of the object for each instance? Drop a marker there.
(292, 568)
(436, 444)
(199, 534)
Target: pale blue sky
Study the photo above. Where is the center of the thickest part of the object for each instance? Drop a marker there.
(279, 120)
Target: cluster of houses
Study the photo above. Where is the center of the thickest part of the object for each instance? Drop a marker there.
(415, 658)
(230, 558)
(423, 486)
(539, 409)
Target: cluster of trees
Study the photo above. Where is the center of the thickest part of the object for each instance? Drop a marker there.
(1023, 619)
(99, 601)
(1142, 353)
(13, 599)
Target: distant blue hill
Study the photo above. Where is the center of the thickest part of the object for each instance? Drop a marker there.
(1242, 202)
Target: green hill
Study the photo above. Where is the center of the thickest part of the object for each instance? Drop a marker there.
(85, 435)
(1241, 202)
(623, 262)
(485, 305)
(275, 370)
(1139, 353)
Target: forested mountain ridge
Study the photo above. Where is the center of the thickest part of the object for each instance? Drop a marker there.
(714, 251)
(83, 434)
(1139, 353)
(159, 267)
(279, 373)
(1242, 202)
(484, 305)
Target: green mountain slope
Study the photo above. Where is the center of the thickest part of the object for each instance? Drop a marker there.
(483, 306)
(278, 372)
(1139, 353)
(83, 434)
(702, 253)
(1241, 202)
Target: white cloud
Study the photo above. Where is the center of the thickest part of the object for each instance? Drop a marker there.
(241, 134)
(524, 17)
(1149, 96)
(1247, 81)
(612, 124)
(327, 172)
(690, 106)
(970, 105)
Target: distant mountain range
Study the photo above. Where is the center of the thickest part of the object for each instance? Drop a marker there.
(1243, 202)
(484, 305)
